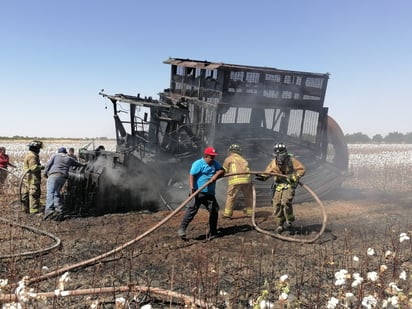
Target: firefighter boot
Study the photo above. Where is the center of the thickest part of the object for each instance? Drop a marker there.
(227, 214)
(279, 229)
(25, 206)
(248, 212)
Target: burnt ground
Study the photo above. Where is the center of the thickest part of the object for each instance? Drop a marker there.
(228, 271)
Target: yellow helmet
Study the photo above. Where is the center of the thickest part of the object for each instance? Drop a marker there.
(234, 148)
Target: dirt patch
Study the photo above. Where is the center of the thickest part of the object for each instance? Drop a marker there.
(230, 271)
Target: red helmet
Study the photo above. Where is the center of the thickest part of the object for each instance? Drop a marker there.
(210, 151)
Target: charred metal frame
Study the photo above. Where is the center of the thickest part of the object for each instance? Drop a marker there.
(289, 103)
(210, 104)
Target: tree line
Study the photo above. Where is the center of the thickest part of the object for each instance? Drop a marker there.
(355, 138)
(390, 138)
(17, 137)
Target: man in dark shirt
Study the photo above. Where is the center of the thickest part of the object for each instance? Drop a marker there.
(56, 171)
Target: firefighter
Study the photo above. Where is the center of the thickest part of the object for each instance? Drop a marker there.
(283, 187)
(32, 169)
(236, 163)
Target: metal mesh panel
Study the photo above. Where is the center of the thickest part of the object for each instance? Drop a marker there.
(236, 75)
(310, 126)
(244, 115)
(273, 77)
(295, 122)
(252, 77)
(229, 116)
(271, 93)
(240, 115)
(314, 82)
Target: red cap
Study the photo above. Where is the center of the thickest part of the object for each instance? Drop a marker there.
(210, 151)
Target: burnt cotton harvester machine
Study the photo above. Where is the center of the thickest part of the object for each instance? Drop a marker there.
(207, 104)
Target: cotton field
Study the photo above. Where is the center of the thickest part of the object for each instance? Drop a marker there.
(371, 166)
(18, 149)
(380, 167)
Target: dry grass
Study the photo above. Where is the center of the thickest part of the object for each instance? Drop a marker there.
(355, 265)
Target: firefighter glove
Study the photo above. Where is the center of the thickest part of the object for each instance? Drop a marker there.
(293, 178)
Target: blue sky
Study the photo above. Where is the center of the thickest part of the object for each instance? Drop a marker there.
(56, 56)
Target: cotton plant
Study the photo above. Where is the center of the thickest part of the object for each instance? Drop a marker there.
(370, 252)
(369, 302)
(371, 283)
(23, 293)
(120, 303)
(372, 276)
(62, 280)
(402, 275)
(13, 305)
(341, 277)
(391, 302)
(383, 268)
(349, 300)
(357, 280)
(283, 287)
(3, 284)
(332, 303)
(403, 237)
(283, 290)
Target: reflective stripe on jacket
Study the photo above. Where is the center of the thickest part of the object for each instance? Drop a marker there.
(235, 163)
(292, 166)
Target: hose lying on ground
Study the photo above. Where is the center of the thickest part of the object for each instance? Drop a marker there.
(277, 235)
(173, 213)
(57, 240)
(125, 245)
(56, 244)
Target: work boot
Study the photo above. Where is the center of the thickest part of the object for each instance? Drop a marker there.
(25, 207)
(48, 215)
(288, 225)
(212, 235)
(34, 211)
(181, 233)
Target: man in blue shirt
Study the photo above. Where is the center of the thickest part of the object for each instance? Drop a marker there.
(201, 172)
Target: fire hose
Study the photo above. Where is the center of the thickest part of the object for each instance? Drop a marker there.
(279, 236)
(56, 240)
(173, 213)
(104, 255)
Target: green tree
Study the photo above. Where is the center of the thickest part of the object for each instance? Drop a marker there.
(408, 138)
(377, 138)
(357, 138)
(394, 137)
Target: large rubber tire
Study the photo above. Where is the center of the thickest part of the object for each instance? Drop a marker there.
(337, 139)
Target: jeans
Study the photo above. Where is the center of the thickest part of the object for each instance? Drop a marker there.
(207, 200)
(54, 185)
